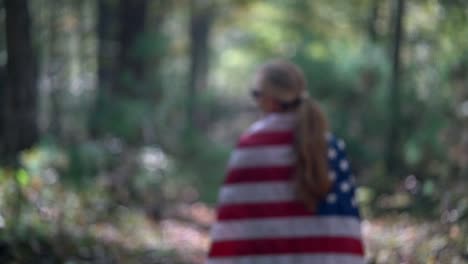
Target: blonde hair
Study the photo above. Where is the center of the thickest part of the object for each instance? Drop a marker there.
(287, 84)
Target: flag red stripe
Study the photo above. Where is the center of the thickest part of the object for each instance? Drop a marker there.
(262, 210)
(266, 139)
(241, 175)
(337, 245)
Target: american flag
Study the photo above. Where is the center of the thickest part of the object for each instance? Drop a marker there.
(260, 220)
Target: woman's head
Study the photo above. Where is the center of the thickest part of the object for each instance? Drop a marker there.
(280, 86)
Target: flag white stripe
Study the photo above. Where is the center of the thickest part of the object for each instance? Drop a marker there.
(287, 227)
(282, 155)
(290, 258)
(274, 122)
(256, 192)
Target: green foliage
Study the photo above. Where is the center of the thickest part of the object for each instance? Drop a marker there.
(203, 165)
(22, 177)
(84, 161)
(125, 118)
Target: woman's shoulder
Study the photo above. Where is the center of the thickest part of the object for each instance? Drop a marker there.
(267, 132)
(274, 122)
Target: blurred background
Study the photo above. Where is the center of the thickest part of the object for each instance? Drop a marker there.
(117, 118)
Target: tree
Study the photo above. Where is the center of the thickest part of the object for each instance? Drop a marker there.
(126, 52)
(106, 39)
(55, 70)
(201, 20)
(372, 21)
(131, 66)
(19, 100)
(393, 148)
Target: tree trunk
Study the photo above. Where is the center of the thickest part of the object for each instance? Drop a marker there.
(106, 53)
(56, 71)
(2, 79)
(106, 43)
(2, 116)
(393, 148)
(131, 63)
(201, 21)
(372, 21)
(120, 26)
(20, 96)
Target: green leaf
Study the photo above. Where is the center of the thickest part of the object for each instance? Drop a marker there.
(23, 177)
(2, 175)
(428, 188)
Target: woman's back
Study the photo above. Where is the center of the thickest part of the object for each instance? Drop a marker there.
(260, 218)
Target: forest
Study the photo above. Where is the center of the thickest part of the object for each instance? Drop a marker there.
(117, 119)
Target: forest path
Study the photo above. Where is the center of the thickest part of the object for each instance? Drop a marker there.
(399, 239)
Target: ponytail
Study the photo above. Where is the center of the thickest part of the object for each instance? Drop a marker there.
(312, 181)
(286, 82)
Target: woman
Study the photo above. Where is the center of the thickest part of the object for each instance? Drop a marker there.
(289, 192)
